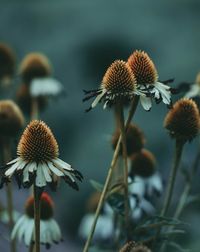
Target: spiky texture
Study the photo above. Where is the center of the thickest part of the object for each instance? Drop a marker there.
(183, 121)
(134, 247)
(143, 163)
(134, 139)
(37, 143)
(119, 78)
(11, 119)
(7, 61)
(143, 68)
(46, 207)
(34, 65)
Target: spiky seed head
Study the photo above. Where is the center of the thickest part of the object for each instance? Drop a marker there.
(183, 121)
(134, 139)
(93, 201)
(128, 247)
(24, 100)
(46, 207)
(119, 78)
(143, 163)
(140, 248)
(34, 65)
(143, 68)
(198, 79)
(37, 143)
(7, 61)
(11, 119)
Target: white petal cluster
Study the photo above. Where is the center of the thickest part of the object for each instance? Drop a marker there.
(24, 231)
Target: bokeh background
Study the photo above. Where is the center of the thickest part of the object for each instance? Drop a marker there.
(82, 38)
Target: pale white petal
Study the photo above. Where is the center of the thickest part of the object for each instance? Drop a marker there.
(40, 179)
(23, 228)
(12, 169)
(98, 98)
(55, 229)
(147, 206)
(55, 170)
(132, 202)
(28, 235)
(21, 165)
(46, 172)
(32, 166)
(17, 226)
(13, 161)
(146, 102)
(194, 91)
(61, 164)
(164, 91)
(137, 214)
(26, 174)
(138, 186)
(155, 182)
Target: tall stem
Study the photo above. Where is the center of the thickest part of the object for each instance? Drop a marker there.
(124, 151)
(172, 177)
(37, 218)
(6, 159)
(34, 109)
(109, 175)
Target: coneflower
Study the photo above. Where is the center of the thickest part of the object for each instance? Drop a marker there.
(134, 139)
(50, 230)
(118, 84)
(146, 77)
(7, 64)
(37, 162)
(145, 178)
(183, 124)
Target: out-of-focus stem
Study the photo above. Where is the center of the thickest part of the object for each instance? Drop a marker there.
(34, 109)
(109, 175)
(37, 218)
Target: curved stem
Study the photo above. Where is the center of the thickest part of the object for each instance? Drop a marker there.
(37, 218)
(124, 151)
(109, 175)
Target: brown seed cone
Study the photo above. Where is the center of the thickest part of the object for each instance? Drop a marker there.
(7, 61)
(24, 100)
(133, 247)
(143, 163)
(46, 207)
(182, 121)
(11, 119)
(143, 68)
(37, 143)
(134, 139)
(119, 78)
(34, 65)
(92, 202)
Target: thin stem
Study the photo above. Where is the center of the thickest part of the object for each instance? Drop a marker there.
(109, 175)
(172, 177)
(124, 151)
(34, 109)
(37, 218)
(9, 193)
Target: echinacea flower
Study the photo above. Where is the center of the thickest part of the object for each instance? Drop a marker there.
(146, 77)
(105, 226)
(7, 64)
(132, 246)
(183, 121)
(134, 139)
(24, 228)
(145, 179)
(118, 84)
(37, 162)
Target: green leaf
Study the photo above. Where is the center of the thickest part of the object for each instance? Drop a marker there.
(96, 185)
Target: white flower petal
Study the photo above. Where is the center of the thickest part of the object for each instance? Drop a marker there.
(32, 166)
(147, 206)
(155, 182)
(98, 98)
(13, 161)
(26, 174)
(194, 91)
(61, 164)
(23, 228)
(40, 179)
(12, 169)
(55, 170)
(46, 172)
(17, 226)
(138, 186)
(56, 232)
(137, 214)
(164, 91)
(146, 102)
(28, 235)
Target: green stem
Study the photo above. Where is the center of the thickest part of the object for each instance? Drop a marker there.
(172, 177)
(37, 218)
(34, 109)
(109, 175)
(124, 151)
(6, 158)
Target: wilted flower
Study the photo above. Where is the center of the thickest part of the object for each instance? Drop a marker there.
(183, 121)
(37, 162)
(146, 76)
(7, 63)
(118, 84)
(105, 228)
(24, 228)
(11, 119)
(145, 178)
(134, 139)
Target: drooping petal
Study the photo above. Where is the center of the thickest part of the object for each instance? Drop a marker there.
(146, 102)
(40, 178)
(194, 91)
(55, 170)
(45, 170)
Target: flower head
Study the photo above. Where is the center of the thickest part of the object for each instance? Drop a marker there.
(34, 65)
(183, 121)
(37, 162)
(7, 62)
(134, 247)
(118, 83)
(146, 76)
(134, 139)
(24, 227)
(11, 119)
